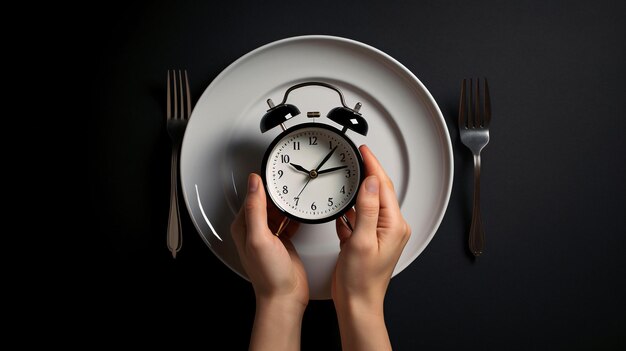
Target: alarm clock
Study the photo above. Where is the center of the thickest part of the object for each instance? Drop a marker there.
(312, 171)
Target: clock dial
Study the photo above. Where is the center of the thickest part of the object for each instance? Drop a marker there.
(313, 172)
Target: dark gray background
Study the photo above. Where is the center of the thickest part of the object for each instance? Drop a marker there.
(553, 174)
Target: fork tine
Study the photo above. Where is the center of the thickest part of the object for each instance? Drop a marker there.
(487, 118)
(169, 97)
(188, 93)
(182, 97)
(175, 94)
(470, 101)
(462, 107)
(478, 116)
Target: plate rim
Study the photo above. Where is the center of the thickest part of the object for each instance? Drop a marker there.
(440, 123)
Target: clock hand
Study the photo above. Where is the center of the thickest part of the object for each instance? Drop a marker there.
(311, 176)
(299, 168)
(328, 170)
(326, 159)
(305, 184)
(317, 169)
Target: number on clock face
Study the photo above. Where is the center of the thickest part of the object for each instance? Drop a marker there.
(313, 173)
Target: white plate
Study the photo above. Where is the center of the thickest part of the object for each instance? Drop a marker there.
(223, 142)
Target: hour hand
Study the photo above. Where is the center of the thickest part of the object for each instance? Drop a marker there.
(299, 168)
(328, 170)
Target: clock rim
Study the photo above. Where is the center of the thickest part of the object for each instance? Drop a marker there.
(359, 159)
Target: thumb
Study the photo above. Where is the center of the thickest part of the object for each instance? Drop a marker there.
(368, 205)
(255, 207)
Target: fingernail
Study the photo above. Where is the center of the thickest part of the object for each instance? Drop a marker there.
(371, 184)
(253, 183)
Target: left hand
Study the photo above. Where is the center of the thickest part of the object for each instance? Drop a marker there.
(271, 263)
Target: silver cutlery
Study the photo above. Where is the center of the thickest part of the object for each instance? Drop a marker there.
(474, 119)
(178, 112)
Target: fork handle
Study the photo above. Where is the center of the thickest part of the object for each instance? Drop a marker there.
(477, 233)
(174, 230)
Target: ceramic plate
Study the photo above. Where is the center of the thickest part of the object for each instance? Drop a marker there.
(223, 142)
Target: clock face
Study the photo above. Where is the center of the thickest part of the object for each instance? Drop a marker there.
(312, 172)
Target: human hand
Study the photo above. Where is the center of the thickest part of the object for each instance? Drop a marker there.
(271, 263)
(367, 259)
(274, 269)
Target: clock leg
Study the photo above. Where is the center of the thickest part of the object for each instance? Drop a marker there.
(282, 226)
(347, 222)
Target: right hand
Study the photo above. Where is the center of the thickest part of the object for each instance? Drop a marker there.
(369, 254)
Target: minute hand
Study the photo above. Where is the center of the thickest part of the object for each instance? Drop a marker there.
(326, 159)
(331, 169)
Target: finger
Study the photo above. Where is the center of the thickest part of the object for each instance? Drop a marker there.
(373, 166)
(274, 217)
(343, 232)
(255, 208)
(238, 228)
(390, 218)
(367, 208)
(388, 197)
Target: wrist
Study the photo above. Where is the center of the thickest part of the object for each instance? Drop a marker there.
(362, 324)
(360, 306)
(285, 306)
(277, 324)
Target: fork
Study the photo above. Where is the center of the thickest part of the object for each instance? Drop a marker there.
(176, 124)
(474, 119)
